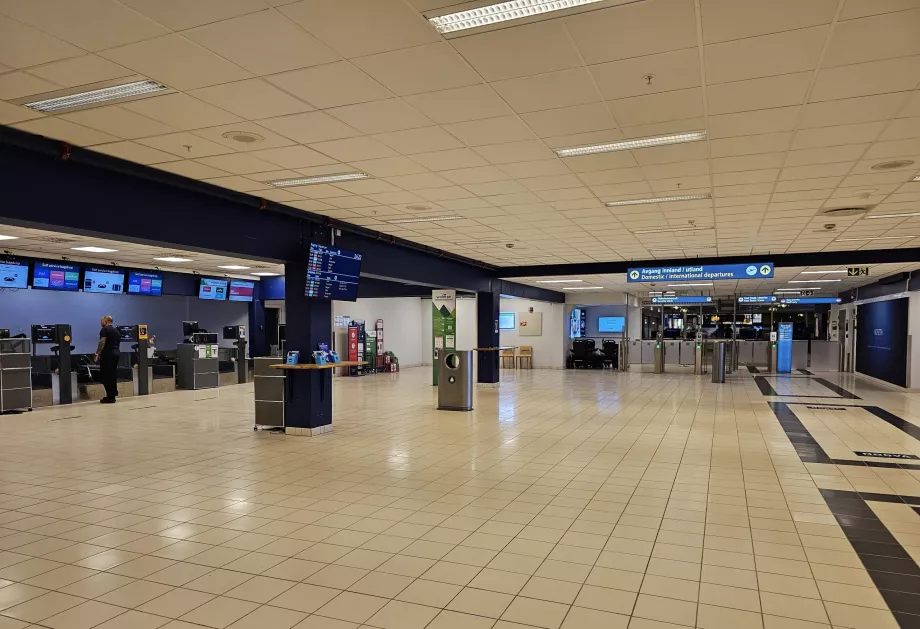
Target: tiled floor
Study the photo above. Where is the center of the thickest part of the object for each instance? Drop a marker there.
(567, 499)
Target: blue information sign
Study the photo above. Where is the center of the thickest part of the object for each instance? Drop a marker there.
(810, 300)
(784, 348)
(681, 300)
(757, 299)
(748, 271)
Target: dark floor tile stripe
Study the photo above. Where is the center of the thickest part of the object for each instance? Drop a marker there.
(764, 386)
(837, 389)
(805, 371)
(753, 369)
(808, 449)
(899, 423)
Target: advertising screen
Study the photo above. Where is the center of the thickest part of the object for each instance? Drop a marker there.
(576, 326)
(13, 273)
(881, 340)
(610, 324)
(241, 290)
(145, 283)
(212, 289)
(332, 273)
(103, 280)
(506, 321)
(56, 276)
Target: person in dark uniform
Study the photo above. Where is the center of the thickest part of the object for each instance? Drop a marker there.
(107, 355)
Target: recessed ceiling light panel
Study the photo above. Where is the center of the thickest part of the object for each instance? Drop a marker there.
(173, 259)
(558, 281)
(685, 197)
(423, 219)
(876, 238)
(308, 181)
(501, 12)
(94, 249)
(94, 97)
(2, 237)
(901, 215)
(692, 228)
(582, 288)
(639, 143)
(234, 267)
(266, 274)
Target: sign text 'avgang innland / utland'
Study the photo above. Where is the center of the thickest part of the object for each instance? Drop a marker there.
(747, 271)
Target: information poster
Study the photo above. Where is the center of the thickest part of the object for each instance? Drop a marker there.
(443, 326)
(784, 348)
(881, 340)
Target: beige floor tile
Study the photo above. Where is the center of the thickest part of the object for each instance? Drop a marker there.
(133, 619)
(536, 613)
(219, 612)
(260, 589)
(176, 603)
(305, 598)
(455, 573)
(84, 616)
(96, 585)
(671, 588)
(792, 607)
(431, 593)
(352, 607)
(266, 617)
(135, 594)
(179, 573)
(218, 581)
(334, 576)
(382, 584)
(480, 602)
(854, 617)
(712, 617)
(579, 617)
(665, 609)
(499, 581)
(606, 599)
(42, 607)
(447, 619)
(551, 590)
(403, 615)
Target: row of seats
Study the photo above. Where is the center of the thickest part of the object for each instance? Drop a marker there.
(518, 356)
(585, 355)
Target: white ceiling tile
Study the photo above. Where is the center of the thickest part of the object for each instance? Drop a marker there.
(177, 62)
(541, 168)
(192, 170)
(724, 20)
(331, 85)
(353, 149)
(238, 163)
(315, 126)
(865, 79)
(180, 14)
(363, 27)
(229, 136)
(751, 144)
(490, 131)
(753, 94)
(89, 24)
(902, 128)
(251, 99)
(861, 8)
(558, 182)
(767, 55)
(604, 177)
(548, 91)
(14, 113)
(450, 160)
(657, 107)
(851, 110)
(184, 145)
(475, 102)
(22, 46)
(570, 120)
(815, 171)
(622, 32)
(445, 194)
(181, 111)
(873, 38)
(311, 205)
(350, 202)
(510, 152)
(60, 129)
(747, 162)
(20, 84)
(751, 176)
(389, 167)
(396, 198)
(893, 148)
(423, 140)
(82, 70)
(676, 169)
(763, 121)
(495, 187)
(367, 186)
(912, 107)
(419, 181)
(839, 135)
(134, 152)
(480, 174)
(600, 161)
(279, 196)
(380, 116)
(293, 157)
(520, 51)
(825, 155)
(421, 69)
(672, 153)
(670, 71)
(118, 121)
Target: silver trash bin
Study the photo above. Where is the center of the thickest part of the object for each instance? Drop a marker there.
(455, 380)
(718, 362)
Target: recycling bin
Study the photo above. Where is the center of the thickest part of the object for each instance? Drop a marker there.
(455, 380)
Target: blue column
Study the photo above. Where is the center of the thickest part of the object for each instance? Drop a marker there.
(308, 402)
(255, 331)
(487, 307)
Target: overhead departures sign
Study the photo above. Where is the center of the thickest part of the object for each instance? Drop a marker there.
(748, 271)
(757, 299)
(681, 300)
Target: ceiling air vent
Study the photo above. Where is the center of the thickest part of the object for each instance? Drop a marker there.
(893, 165)
(845, 211)
(243, 137)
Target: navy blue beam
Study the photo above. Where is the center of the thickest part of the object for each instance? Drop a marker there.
(512, 289)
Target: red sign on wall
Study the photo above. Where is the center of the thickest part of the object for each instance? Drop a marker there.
(353, 343)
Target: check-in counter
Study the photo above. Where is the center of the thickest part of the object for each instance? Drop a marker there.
(648, 352)
(824, 356)
(671, 352)
(799, 354)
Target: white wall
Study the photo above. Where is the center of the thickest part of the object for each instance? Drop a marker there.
(548, 349)
(466, 326)
(402, 324)
(913, 329)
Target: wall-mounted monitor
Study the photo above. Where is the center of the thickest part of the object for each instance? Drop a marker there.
(241, 290)
(577, 324)
(214, 289)
(332, 273)
(56, 276)
(44, 333)
(14, 273)
(145, 283)
(506, 321)
(611, 324)
(127, 333)
(103, 280)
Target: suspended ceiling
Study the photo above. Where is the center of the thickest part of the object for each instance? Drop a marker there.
(799, 100)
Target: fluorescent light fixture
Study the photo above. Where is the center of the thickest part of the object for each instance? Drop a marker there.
(893, 215)
(94, 97)
(423, 219)
(821, 272)
(2, 237)
(639, 143)
(490, 241)
(234, 267)
(309, 181)
(917, 178)
(672, 229)
(557, 281)
(682, 285)
(94, 249)
(582, 288)
(876, 238)
(811, 281)
(501, 12)
(174, 259)
(798, 290)
(686, 197)
(266, 274)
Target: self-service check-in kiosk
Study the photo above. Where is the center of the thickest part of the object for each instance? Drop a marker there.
(771, 352)
(142, 370)
(237, 333)
(63, 379)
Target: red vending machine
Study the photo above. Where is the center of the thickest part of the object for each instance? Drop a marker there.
(353, 348)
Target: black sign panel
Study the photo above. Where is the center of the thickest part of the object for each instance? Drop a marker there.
(881, 340)
(887, 455)
(856, 271)
(333, 273)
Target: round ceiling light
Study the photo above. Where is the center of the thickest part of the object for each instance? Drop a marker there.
(893, 165)
(243, 137)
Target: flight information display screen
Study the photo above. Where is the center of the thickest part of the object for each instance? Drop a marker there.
(145, 283)
(56, 276)
(103, 280)
(13, 273)
(333, 273)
